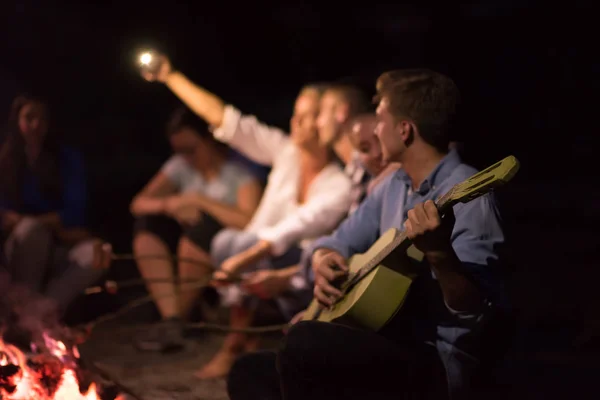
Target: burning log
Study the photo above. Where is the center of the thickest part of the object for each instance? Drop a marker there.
(48, 370)
(9, 376)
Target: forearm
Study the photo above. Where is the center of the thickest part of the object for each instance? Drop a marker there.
(253, 255)
(144, 205)
(228, 216)
(208, 106)
(288, 272)
(459, 292)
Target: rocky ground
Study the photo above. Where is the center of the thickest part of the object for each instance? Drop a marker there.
(156, 376)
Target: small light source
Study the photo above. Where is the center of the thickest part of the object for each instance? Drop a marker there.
(146, 58)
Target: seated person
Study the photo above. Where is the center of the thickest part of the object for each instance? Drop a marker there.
(434, 339)
(196, 194)
(307, 193)
(288, 287)
(343, 109)
(42, 209)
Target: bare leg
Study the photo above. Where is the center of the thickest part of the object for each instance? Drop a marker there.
(165, 294)
(234, 345)
(188, 271)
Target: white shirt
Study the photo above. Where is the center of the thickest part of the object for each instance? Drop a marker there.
(224, 188)
(279, 218)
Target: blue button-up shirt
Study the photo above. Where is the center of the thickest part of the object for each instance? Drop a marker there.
(476, 235)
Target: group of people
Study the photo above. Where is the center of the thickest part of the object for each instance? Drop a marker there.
(340, 178)
(208, 210)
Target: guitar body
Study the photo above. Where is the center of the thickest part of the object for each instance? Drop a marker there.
(386, 287)
(379, 280)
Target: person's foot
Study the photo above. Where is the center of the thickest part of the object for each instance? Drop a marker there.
(221, 363)
(218, 367)
(166, 336)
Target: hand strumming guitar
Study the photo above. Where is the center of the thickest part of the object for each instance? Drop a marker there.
(328, 267)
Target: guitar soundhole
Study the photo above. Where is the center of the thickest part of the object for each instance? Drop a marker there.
(485, 171)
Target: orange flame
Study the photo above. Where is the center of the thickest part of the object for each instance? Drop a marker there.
(27, 383)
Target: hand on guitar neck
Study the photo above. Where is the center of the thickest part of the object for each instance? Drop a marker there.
(428, 231)
(331, 271)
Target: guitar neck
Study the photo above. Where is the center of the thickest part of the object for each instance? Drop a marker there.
(400, 242)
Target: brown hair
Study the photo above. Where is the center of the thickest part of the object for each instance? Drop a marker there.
(182, 118)
(362, 117)
(426, 97)
(13, 161)
(319, 88)
(356, 99)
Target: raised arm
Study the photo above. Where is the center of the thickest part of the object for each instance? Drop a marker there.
(258, 141)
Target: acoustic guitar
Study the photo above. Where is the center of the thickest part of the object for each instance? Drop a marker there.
(379, 280)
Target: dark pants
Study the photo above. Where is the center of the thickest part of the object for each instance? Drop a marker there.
(37, 261)
(328, 361)
(170, 231)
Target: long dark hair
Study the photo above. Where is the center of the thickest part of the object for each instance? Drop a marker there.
(183, 117)
(13, 159)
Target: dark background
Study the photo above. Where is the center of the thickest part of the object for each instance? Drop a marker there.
(527, 72)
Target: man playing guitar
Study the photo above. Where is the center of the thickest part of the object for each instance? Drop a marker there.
(434, 340)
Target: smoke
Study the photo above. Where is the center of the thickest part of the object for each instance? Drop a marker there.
(26, 315)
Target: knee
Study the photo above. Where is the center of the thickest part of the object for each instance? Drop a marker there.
(187, 247)
(221, 246)
(31, 230)
(251, 374)
(297, 342)
(82, 254)
(303, 346)
(240, 376)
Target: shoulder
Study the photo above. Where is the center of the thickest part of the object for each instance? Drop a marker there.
(176, 163)
(234, 171)
(485, 205)
(462, 172)
(334, 174)
(288, 152)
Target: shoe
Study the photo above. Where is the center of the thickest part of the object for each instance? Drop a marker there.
(164, 337)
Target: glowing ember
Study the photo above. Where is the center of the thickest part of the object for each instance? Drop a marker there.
(50, 377)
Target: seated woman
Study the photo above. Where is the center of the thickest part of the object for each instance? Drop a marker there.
(42, 209)
(196, 193)
(292, 287)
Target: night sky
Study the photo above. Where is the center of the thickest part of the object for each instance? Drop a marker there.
(526, 71)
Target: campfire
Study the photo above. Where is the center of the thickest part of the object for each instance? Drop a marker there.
(51, 371)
